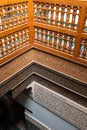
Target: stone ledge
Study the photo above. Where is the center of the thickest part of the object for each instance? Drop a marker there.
(58, 82)
(51, 75)
(63, 66)
(61, 106)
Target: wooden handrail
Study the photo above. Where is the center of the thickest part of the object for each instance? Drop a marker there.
(54, 26)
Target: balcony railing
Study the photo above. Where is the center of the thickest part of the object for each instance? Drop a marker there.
(58, 27)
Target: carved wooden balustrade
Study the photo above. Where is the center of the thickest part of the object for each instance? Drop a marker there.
(57, 27)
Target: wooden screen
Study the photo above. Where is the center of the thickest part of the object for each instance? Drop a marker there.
(14, 29)
(14, 41)
(85, 22)
(13, 15)
(60, 15)
(83, 49)
(58, 27)
(56, 40)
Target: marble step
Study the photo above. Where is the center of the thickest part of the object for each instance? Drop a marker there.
(52, 86)
(42, 117)
(57, 78)
(58, 104)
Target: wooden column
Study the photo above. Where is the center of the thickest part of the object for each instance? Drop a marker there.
(80, 31)
(31, 18)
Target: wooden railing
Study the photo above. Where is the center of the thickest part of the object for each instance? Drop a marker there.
(57, 27)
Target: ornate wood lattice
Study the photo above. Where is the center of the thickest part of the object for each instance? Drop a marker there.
(57, 27)
(13, 15)
(56, 40)
(14, 41)
(59, 15)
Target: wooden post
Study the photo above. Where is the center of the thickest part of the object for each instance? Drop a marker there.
(80, 31)
(31, 25)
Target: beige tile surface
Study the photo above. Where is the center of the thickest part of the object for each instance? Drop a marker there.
(15, 65)
(61, 65)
